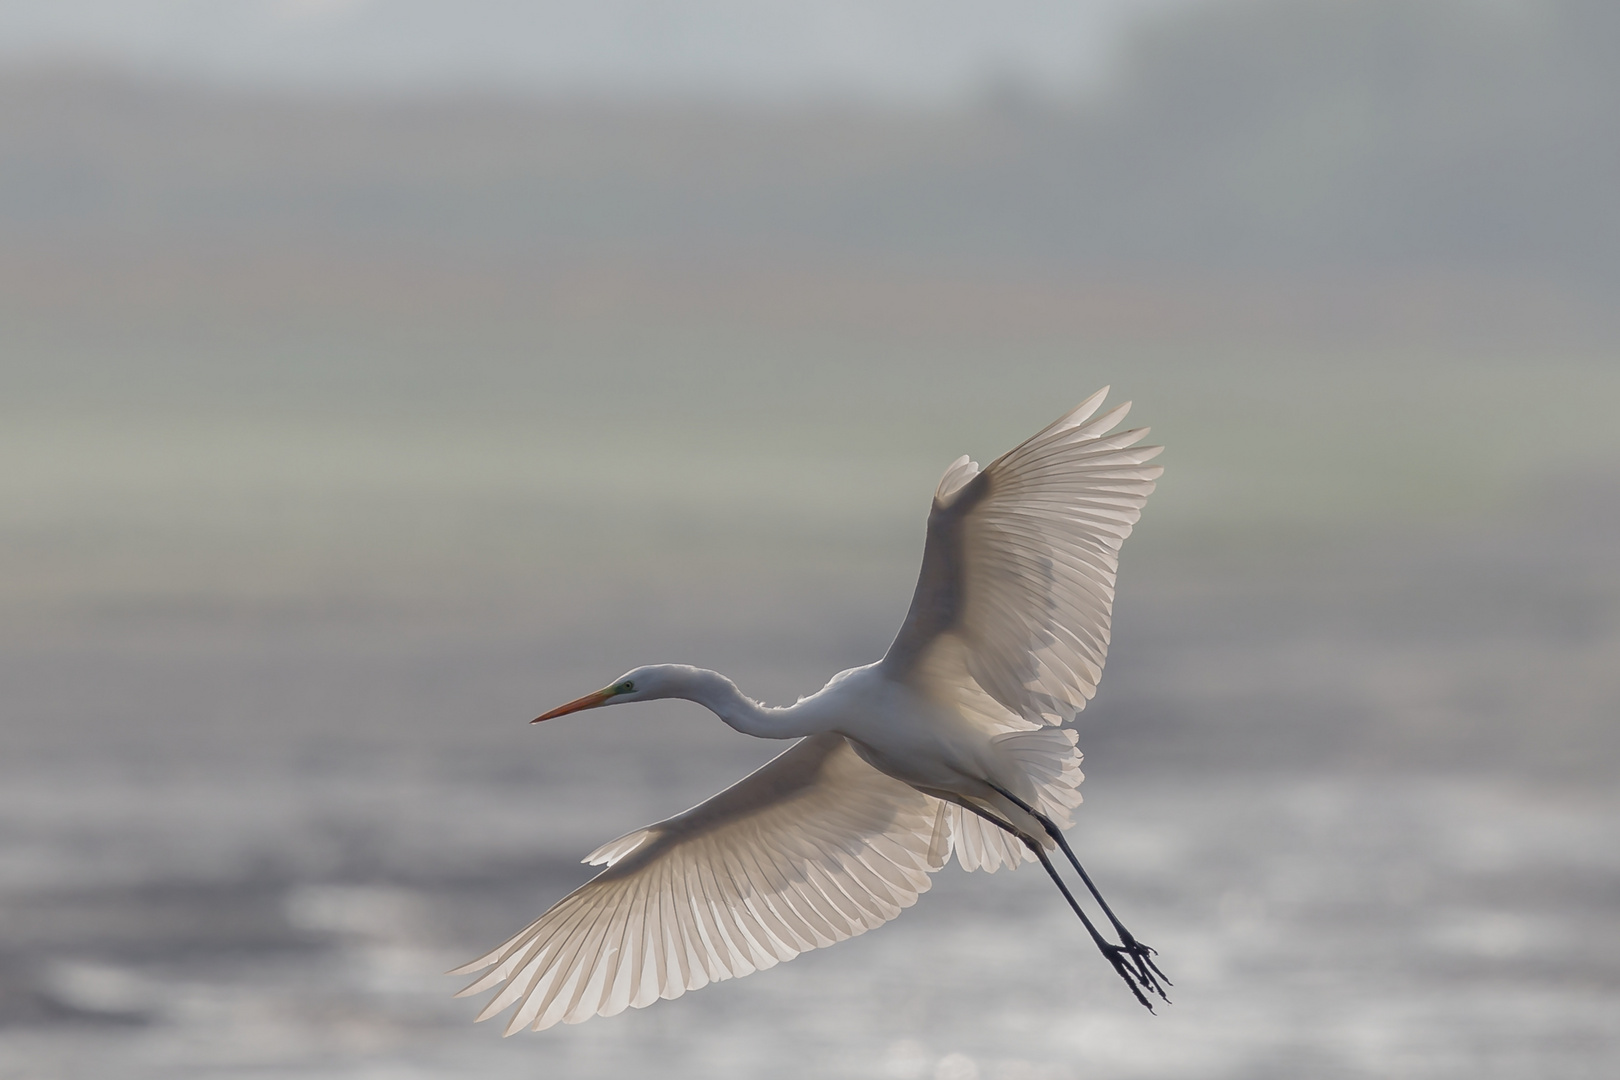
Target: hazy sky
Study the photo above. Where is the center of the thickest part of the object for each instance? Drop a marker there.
(884, 49)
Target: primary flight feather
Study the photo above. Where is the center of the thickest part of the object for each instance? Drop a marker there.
(954, 742)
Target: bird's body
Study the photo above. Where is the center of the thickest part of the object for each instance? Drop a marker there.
(926, 743)
(953, 743)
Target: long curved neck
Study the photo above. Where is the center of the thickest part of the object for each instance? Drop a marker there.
(720, 696)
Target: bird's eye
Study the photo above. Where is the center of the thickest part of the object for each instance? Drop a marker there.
(626, 686)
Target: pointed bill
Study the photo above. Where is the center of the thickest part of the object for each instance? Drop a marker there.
(589, 701)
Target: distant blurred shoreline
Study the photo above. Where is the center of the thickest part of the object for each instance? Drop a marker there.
(1351, 143)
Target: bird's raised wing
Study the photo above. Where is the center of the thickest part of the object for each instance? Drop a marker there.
(1017, 584)
(814, 847)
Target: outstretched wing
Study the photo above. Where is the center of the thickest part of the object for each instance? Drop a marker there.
(814, 847)
(1017, 584)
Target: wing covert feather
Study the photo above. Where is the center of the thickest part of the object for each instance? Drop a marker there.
(814, 847)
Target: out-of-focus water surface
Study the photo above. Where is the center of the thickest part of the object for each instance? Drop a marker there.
(339, 437)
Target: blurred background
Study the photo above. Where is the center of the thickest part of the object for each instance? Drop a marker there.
(375, 374)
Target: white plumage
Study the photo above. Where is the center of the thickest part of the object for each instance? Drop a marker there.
(815, 847)
(951, 743)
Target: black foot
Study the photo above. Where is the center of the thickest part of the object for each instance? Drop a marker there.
(1129, 971)
(1146, 972)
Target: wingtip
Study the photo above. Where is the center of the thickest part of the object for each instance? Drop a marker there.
(1082, 412)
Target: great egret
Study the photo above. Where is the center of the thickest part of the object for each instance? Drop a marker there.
(954, 741)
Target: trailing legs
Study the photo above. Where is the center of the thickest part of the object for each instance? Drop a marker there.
(1115, 954)
(1141, 954)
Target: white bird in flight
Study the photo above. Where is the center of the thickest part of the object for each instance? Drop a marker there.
(953, 742)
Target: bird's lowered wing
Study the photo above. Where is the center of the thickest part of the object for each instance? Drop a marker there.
(1017, 585)
(814, 847)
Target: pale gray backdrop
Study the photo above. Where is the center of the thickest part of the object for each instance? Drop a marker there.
(347, 423)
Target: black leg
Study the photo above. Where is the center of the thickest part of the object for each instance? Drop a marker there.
(1142, 954)
(1114, 954)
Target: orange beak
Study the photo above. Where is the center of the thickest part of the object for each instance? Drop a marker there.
(589, 701)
